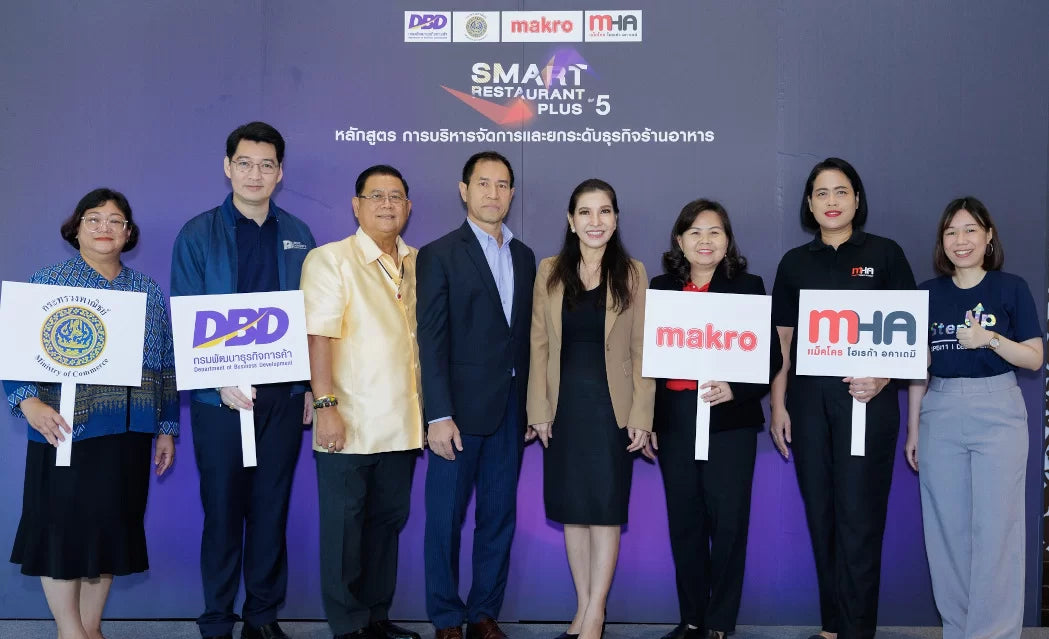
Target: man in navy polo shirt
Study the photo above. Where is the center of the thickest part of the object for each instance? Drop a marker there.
(246, 245)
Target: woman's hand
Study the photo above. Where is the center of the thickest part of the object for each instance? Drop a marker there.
(234, 399)
(638, 439)
(45, 420)
(973, 334)
(717, 393)
(864, 389)
(910, 449)
(164, 456)
(652, 447)
(545, 432)
(779, 428)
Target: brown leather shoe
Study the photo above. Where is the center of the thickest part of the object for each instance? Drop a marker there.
(455, 632)
(484, 629)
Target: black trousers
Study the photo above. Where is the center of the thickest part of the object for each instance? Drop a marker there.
(708, 505)
(364, 502)
(845, 497)
(245, 509)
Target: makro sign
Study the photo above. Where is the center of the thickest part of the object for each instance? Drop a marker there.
(862, 333)
(248, 338)
(707, 336)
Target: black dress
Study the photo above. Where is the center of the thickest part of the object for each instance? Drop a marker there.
(586, 469)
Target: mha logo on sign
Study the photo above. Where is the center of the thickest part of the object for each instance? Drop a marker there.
(612, 26)
(432, 26)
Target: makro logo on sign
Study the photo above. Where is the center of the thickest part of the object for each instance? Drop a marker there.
(612, 26)
(542, 26)
(707, 338)
(882, 327)
(432, 26)
(239, 327)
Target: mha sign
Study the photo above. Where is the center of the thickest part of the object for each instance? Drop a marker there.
(862, 333)
(612, 26)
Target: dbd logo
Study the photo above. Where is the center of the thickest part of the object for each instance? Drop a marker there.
(881, 327)
(241, 326)
(427, 21)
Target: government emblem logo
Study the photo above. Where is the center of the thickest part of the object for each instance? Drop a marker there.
(476, 26)
(73, 336)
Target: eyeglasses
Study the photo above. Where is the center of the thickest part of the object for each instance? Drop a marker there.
(266, 167)
(395, 199)
(96, 223)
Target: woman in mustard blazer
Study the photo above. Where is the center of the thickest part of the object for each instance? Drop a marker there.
(586, 388)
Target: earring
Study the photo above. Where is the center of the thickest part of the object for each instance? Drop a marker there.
(572, 229)
(990, 249)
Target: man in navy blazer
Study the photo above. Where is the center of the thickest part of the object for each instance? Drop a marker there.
(474, 292)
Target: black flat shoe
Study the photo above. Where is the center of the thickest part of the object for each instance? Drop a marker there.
(567, 635)
(269, 630)
(682, 631)
(386, 629)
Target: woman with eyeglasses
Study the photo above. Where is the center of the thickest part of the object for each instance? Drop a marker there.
(708, 502)
(846, 497)
(83, 523)
(587, 402)
(970, 428)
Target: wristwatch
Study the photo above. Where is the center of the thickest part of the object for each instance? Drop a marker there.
(995, 342)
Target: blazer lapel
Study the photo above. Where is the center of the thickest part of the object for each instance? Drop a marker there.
(610, 314)
(473, 249)
(557, 301)
(522, 289)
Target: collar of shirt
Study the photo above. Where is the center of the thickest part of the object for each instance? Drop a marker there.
(856, 239)
(83, 270)
(484, 238)
(371, 250)
(232, 215)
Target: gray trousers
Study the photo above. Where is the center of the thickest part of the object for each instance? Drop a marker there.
(972, 462)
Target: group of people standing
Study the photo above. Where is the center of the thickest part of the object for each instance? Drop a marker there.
(394, 337)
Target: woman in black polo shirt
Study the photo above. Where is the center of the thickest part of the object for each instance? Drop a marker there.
(813, 414)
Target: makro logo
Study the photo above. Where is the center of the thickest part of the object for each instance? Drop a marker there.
(707, 338)
(240, 326)
(427, 27)
(542, 26)
(882, 327)
(613, 26)
(863, 271)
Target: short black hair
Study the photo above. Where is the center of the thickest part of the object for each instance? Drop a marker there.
(808, 220)
(255, 132)
(379, 169)
(486, 156)
(98, 197)
(992, 260)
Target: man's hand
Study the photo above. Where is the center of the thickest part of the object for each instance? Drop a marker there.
(331, 429)
(442, 436)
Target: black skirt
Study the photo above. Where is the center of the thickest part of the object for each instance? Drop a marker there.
(85, 520)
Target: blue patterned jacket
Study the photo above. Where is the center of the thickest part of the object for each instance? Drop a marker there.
(107, 410)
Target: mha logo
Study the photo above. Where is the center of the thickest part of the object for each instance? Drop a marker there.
(241, 326)
(882, 329)
(863, 271)
(613, 26)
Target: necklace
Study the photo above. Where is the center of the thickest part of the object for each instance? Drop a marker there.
(395, 283)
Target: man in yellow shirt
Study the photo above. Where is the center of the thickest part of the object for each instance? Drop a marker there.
(364, 364)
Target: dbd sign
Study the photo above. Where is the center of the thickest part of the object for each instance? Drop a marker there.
(239, 326)
(862, 333)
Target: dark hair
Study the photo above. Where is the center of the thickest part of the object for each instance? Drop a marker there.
(674, 261)
(255, 132)
(617, 271)
(379, 169)
(98, 197)
(992, 261)
(486, 156)
(808, 220)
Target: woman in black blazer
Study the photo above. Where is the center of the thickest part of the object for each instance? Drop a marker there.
(708, 502)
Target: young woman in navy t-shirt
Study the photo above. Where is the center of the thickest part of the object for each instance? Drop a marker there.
(969, 423)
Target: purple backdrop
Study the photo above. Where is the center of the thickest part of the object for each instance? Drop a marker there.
(927, 100)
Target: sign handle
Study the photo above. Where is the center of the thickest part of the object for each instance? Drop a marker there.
(247, 430)
(859, 428)
(702, 427)
(66, 402)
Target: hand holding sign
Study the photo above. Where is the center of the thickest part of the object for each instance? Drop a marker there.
(233, 341)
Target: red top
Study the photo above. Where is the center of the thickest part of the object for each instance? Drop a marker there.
(687, 384)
